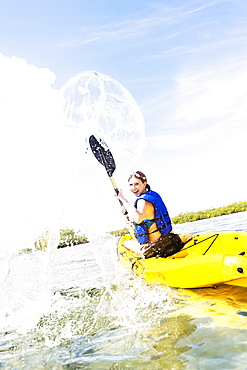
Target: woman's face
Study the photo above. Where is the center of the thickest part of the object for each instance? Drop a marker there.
(137, 186)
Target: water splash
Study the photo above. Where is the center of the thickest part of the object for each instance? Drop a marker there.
(96, 104)
(49, 182)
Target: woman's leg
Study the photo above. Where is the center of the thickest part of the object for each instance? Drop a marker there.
(134, 246)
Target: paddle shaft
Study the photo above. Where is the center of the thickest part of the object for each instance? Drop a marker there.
(106, 165)
(124, 210)
(105, 157)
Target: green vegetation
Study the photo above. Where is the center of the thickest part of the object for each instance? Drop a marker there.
(214, 212)
(42, 242)
(69, 237)
(120, 232)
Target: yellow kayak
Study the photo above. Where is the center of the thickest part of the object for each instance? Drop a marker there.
(207, 259)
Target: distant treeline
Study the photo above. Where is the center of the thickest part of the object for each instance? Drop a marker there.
(68, 238)
(209, 213)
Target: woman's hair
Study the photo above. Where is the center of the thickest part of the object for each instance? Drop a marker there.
(140, 175)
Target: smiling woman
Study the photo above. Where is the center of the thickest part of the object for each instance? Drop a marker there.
(151, 220)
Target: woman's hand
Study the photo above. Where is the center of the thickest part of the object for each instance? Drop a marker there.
(121, 196)
(129, 224)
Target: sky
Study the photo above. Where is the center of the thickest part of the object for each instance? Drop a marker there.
(185, 64)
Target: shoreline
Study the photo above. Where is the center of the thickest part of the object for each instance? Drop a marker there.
(200, 215)
(71, 237)
(210, 213)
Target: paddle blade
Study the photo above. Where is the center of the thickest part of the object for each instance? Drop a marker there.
(102, 154)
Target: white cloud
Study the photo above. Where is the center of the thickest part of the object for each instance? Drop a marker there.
(206, 104)
(31, 117)
(139, 26)
(212, 93)
(202, 155)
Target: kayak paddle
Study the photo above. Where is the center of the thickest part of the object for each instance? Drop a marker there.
(104, 156)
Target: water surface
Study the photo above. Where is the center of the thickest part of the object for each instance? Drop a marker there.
(79, 308)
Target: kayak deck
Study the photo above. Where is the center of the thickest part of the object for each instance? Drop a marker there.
(207, 259)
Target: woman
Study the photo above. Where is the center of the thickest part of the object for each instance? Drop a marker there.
(151, 220)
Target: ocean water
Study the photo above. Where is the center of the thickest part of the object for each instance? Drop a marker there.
(79, 308)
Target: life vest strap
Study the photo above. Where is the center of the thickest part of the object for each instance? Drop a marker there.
(155, 219)
(158, 229)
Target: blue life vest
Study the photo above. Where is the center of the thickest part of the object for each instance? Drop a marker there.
(161, 217)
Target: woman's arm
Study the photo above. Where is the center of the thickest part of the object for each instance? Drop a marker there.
(140, 212)
(135, 214)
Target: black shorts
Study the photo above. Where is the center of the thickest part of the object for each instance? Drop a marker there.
(165, 246)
